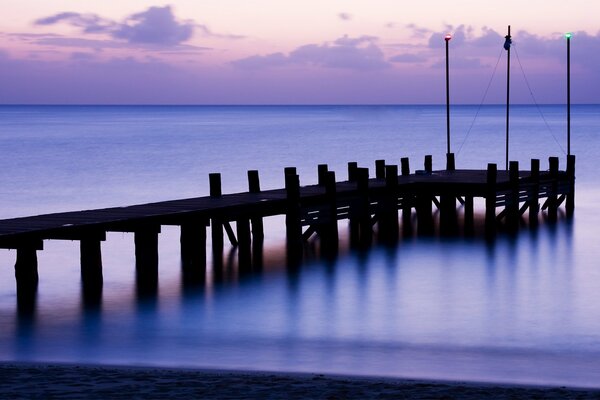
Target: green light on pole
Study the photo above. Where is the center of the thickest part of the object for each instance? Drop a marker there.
(568, 35)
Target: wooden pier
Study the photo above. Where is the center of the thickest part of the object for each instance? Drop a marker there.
(369, 203)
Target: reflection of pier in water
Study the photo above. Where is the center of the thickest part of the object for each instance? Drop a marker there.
(371, 206)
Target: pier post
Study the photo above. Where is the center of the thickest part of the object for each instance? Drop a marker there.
(91, 259)
(553, 192)
(322, 170)
(450, 163)
(428, 164)
(534, 195)
(146, 257)
(216, 223)
(490, 198)
(388, 218)
(405, 166)
(26, 268)
(380, 169)
(448, 217)
(570, 205)
(258, 233)
(352, 167)
(512, 202)
(364, 213)
(244, 243)
(193, 250)
(292, 218)
(329, 232)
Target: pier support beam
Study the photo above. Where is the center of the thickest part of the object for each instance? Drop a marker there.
(512, 202)
(388, 218)
(490, 199)
(91, 261)
(193, 250)
(244, 244)
(363, 212)
(329, 230)
(534, 195)
(553, 190)
(256, 221)
(448, 217)
(570, 204)
(146, 258)
(292, 218)
(26, 270)
(216, 223)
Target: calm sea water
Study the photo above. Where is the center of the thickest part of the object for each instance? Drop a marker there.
(524, 309)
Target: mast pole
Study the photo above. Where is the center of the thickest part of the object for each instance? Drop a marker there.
(447, 39)
(568, 36)
(507, 44)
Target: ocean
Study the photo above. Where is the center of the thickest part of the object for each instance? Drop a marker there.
(520, 309)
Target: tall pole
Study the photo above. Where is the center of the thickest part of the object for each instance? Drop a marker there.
(568, 36)
(447, 39)
(507, 44)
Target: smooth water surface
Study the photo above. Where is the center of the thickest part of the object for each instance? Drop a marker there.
(520, 309)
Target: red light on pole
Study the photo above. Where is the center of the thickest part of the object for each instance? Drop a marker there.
(448, 37)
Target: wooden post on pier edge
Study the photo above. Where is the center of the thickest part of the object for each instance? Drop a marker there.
(329, 231)
(450, 163)
(512, 202)
(490, 199)
(534, 195)
(407, 201)
(292, 217)
(388, 218)
(553, 192)
(570, 205)
(146, 258)
(352, 168)
(258, 233)
(193, 250)
(364, 212)
(380, 169)
(216, 223)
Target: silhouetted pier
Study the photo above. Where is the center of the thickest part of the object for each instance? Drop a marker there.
(371, 204)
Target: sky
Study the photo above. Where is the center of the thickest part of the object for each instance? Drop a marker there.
(295, 52)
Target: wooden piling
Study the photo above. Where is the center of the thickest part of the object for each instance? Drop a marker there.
(512, 201)
(570, 204)
(146, 257)
(448, 216)
(404, 162)
(322, 170)
(534, 192)
(26, 267)
(428, 164)
(352, 167)
(256, 221)
(469, 220)
(553, 190)
(216, 223)
(91, 260)
(244, 243)
(490, 198)
(450, 163)
(292, 218)
(364, 213)
(388, 217)
(380, 169)
(329, 231)
(193, 250)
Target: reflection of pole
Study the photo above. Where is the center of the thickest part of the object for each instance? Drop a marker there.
(568, 35)
(447, 38)
(507, 44)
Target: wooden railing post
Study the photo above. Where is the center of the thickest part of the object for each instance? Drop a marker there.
(404, 162)
(450, 162)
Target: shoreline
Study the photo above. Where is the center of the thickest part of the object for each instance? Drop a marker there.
(34, 380)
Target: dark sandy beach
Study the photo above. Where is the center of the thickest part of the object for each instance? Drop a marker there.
(69, 381)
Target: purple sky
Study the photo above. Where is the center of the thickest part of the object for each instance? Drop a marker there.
(156, 56)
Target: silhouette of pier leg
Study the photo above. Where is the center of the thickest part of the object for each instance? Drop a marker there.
(244, 244)
(407, 201)
(364, 213)
(292, 218)
(193, 251)
(469, 211)
(146, 259)
(448, 215)
(490, 199)
(512, 204)
(26, 274)
(216, 223)
(534, 196)
(388, 216)
(329, 231)
(91, 268)
(570, 204)
(256, 221)
(553, 192)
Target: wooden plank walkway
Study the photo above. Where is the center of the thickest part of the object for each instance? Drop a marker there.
(308, 210)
